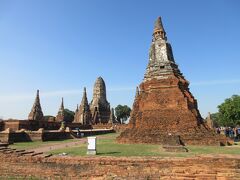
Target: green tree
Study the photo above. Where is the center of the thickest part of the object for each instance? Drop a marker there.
(229, 112)
(68, 115)
(215, 119)
(122, 113)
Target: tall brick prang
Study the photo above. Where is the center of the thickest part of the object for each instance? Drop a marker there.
(99, 106)
(164, 110)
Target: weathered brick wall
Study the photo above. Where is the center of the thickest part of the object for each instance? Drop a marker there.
(4, 137)
(1, 125)
(120, 127)
(35, 125)
(46, 135)
(102, 126)
(33, 136)
(166, 107)
(12, 124)
(96, 132)
(116, 127)
(124, 168)
(49, 136)
(78, 125)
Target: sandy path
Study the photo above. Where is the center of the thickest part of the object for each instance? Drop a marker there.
(61, 145)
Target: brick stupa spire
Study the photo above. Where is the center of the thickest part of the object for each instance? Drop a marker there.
(158, 29)
(61, 113)
(83, 115)
(76, 113)
(36, 112)
(165, 111)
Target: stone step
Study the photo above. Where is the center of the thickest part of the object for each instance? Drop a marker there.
(6, 149)
(4, 144)
(49, 155)
(26, 152)
(19, 151)
(9, 152)
(35, 154)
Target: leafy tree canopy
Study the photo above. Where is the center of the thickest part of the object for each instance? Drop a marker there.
(122, 113)
(68, 115)
(229, 112)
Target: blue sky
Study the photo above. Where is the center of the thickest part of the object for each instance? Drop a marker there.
(60, 46)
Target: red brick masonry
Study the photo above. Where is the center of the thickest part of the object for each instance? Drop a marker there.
(165, 111)
(120, 168)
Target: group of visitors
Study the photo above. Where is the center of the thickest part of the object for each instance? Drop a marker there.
(229, 132)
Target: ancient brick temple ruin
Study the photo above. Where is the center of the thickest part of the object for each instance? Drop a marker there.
(164, 110)
(36, 112)
(61, 115)
(99, 106)
(98, 111)
(83, 114)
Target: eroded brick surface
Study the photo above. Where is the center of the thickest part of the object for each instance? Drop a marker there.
(164, 110)
(120, 168)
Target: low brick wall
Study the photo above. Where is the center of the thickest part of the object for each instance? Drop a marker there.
(94, 132)
(46, 135)
(102, 126)
(20, 137)
(123, 168)
(50, 136)
(15, 125)
(78, 125)
(33, 136)
(115, 127)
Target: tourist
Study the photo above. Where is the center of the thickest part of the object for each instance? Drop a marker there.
(78, 133)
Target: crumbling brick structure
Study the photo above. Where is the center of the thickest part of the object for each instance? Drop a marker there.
(164, 110)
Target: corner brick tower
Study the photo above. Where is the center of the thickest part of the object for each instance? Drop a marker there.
(76, 114)
(61, 114)
(83, 115)
(99, 106)
(164, 110)
(36, 112)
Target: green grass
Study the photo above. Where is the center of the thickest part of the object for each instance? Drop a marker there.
(107, 146)
(35, 144)
(233, 150)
